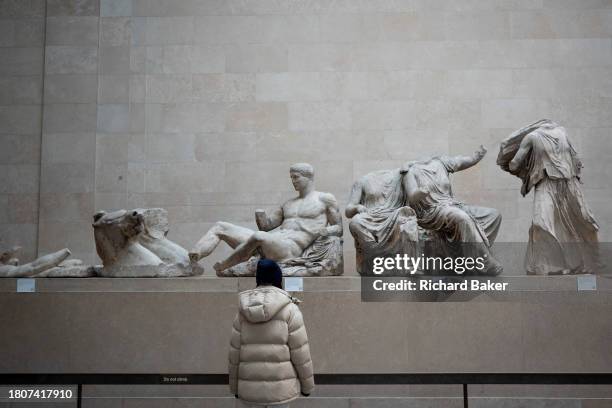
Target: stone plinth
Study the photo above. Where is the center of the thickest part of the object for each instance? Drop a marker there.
(183, 326)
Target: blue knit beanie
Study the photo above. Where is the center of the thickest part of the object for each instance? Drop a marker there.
(269, 273)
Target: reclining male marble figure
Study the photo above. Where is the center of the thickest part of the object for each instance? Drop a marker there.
(563, 234)
(40, 267)
(464, 230)
(303, 235)
(53, 265)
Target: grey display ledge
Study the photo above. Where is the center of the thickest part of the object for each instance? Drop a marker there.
(517, 283)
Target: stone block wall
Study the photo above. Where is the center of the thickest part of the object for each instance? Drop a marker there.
(21, 69)
(68, 177)
(200, 106)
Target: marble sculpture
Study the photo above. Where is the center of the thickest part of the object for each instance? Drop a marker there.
(381, 222)
(304, 234)
(413, 211)
(54, 265)
(409, 210)
(563, 233)
(134, 244)
(465, 230)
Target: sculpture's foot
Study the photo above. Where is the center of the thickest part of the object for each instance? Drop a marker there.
(495, 268)
(247, 268)
(51, 260)
(581, 270)
(559, 272)
(219, 266)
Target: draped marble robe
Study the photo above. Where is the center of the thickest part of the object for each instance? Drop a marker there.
(563, 233)
(463, 230)
(387, 226)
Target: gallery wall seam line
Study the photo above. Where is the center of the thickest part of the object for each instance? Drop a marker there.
(42, 129)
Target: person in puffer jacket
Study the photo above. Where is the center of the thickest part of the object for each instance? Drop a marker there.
(269, 358)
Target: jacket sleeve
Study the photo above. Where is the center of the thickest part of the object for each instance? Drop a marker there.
(234, 355)
(300, 351)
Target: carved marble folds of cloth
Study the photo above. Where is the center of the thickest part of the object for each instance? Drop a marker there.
(510, 146)
(463, 230)
(563, 234)
(383, 232)
(388, 227)
(322, 258)
(552, 154)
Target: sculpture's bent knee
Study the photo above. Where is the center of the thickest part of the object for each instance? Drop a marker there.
(222, 225)
(355, 224)
(259, 236)
(459, 216)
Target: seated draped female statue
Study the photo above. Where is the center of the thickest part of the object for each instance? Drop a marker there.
(412, 211)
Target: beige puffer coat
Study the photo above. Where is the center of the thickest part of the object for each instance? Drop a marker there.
(269, 358)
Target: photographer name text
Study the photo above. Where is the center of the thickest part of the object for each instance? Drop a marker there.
(439, 285)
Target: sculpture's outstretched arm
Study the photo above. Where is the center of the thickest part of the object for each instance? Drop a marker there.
(521, 153)
(354, 205)
(267, 222)
(39, 265)
(465, 162)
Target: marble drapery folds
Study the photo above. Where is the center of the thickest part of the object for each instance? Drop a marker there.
(563, 234)
(381, 222)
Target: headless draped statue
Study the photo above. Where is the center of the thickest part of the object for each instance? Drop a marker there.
(381, 222)
(304, 234)
(563, 233)
(413, 211)
(464, 230)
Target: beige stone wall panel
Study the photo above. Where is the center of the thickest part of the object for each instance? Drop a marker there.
(197, 104)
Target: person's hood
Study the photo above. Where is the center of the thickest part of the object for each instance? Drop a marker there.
(261, 304)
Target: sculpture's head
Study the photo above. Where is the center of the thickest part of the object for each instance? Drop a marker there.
(114, 231)
(302, 175)
(127, 223)
(9, 256)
